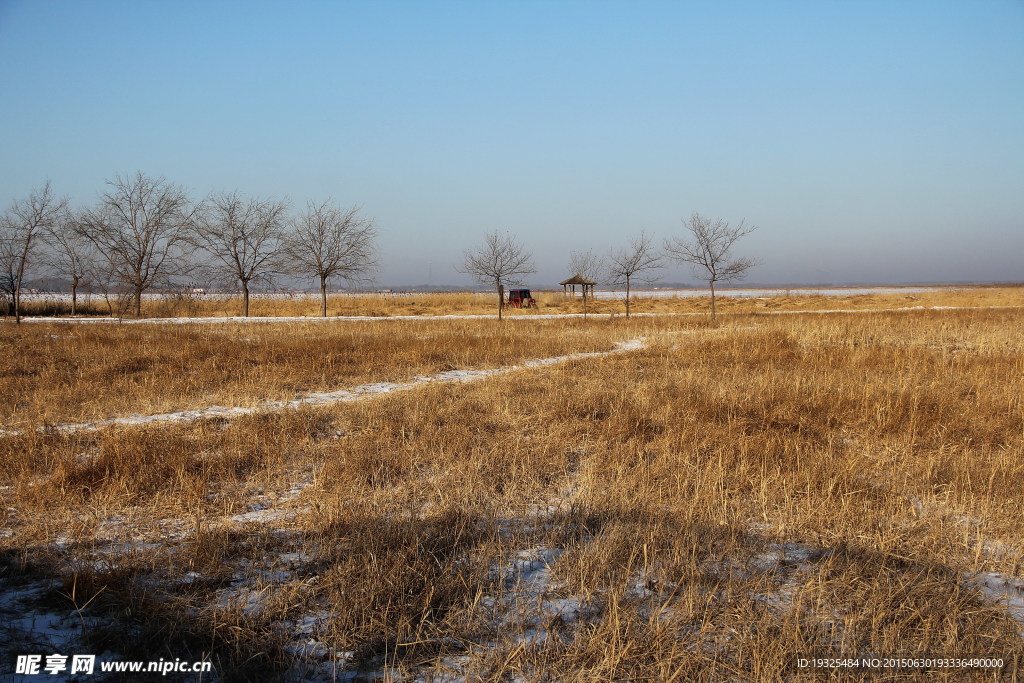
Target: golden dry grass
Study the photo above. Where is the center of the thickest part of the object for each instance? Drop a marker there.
(484, 303)
(70, 373)
(712, 507)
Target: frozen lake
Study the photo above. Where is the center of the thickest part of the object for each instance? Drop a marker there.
(830, 291)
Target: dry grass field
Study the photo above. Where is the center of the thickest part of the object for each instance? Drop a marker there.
(484, 303)
(71, 373)
(712, 504)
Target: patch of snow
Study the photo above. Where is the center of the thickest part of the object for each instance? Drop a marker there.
(191, 578)
(530, 601)
(262, 516)
(262, 511)
(33, 628)
(1004, 590)
(788, 563)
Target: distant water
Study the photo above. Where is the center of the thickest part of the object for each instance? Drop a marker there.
(649, 293)
(841, 291)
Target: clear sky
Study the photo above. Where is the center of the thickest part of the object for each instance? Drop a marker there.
(869, 141)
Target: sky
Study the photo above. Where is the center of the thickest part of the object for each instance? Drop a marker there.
(867, 141)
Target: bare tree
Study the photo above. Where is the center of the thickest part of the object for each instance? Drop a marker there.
(8, 270)
(115, 293)
(500, 260)
(71, 255)
(140, 227)
(328, 241)
(588, 264)
(634, 262)
(707, 249)
(243, 236)
(20, 230)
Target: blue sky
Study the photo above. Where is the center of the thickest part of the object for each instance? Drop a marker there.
(869, 141)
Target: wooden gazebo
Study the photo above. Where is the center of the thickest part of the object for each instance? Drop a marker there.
(583, 282)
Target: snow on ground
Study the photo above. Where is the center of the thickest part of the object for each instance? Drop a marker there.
(532, 604)
(23, 622)
(264, 509)
(1007, 591)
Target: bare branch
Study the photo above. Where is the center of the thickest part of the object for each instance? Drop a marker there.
(140, 227)
(327, 241)
(71, 255)
(707, 251)
(588, 264)
(20, 230)
(500, 260)
(634, 262)
(242, 235)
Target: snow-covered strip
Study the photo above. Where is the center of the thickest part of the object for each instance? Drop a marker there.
(342, 395)
(334, 319)
(291, 319)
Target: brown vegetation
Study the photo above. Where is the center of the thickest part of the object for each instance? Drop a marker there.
(711, 507)
(186, 304)
(71, 373)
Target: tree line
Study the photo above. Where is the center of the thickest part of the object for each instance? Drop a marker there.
(706, 246)
(146, 232)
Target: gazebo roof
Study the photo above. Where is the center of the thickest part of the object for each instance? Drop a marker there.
(577, 279)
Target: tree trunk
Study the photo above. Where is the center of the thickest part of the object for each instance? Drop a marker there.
(137, 301)
(245, 299)
(74, 296)
(714, 317)
(323, 296)
(21, 280)
(501, 299)
(627, 297)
